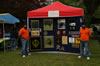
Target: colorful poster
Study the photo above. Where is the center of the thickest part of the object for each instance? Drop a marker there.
(64, 40)
(48, 41)
(77, 40)
(35, 43)
(48, 24)
(35, 33)
(75, 36)
(35, 24)
(71, 40)
(61, 24)
(75, 45)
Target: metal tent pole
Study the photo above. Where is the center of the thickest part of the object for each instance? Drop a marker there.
(29, 30)
(4, 36)
(27, 23)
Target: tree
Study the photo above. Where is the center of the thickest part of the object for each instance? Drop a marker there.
(19, 8)
(91, 7)
(75, 3)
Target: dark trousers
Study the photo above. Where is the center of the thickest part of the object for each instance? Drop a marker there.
(84, 51)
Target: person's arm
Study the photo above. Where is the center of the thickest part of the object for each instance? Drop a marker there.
(20, 32)
(89, 32)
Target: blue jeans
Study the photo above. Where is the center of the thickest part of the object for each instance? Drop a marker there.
(13, 43)
(84, 51)
(25, 46)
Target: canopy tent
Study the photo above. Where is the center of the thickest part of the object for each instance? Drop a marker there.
(49, 19)
(63, 11)
(9, 19)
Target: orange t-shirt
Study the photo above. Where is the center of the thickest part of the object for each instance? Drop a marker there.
(85, 34)
(24, 33)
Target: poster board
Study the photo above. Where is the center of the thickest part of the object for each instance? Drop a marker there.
(48, 24)
(35, 33)
(55, 37)
(35, 44)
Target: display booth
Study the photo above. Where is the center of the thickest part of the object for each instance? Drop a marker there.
(6, 19)
(55, 28)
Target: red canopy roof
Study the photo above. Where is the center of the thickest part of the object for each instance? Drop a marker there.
(64, 11)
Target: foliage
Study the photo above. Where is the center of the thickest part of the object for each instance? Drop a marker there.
(97, 13)
(19, 8)
(91, 8)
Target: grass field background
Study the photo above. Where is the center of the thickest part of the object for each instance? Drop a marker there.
(13, 58)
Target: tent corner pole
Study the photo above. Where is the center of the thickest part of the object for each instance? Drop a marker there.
(4, 36)
(27, 22)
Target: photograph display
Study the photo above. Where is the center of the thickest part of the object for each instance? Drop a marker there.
(48, 24)
(61, 24)
(48, 41)
(35, 43)
(34, 24)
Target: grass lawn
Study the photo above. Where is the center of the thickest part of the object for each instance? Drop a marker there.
(13, 58)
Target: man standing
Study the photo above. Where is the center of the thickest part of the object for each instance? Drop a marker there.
(24, 34)
(95, 32)
(85, 33)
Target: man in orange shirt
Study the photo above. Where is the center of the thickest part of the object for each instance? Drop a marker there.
(85, 33)
(24, 34)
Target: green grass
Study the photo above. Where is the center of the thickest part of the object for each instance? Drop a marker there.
(13, 58)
